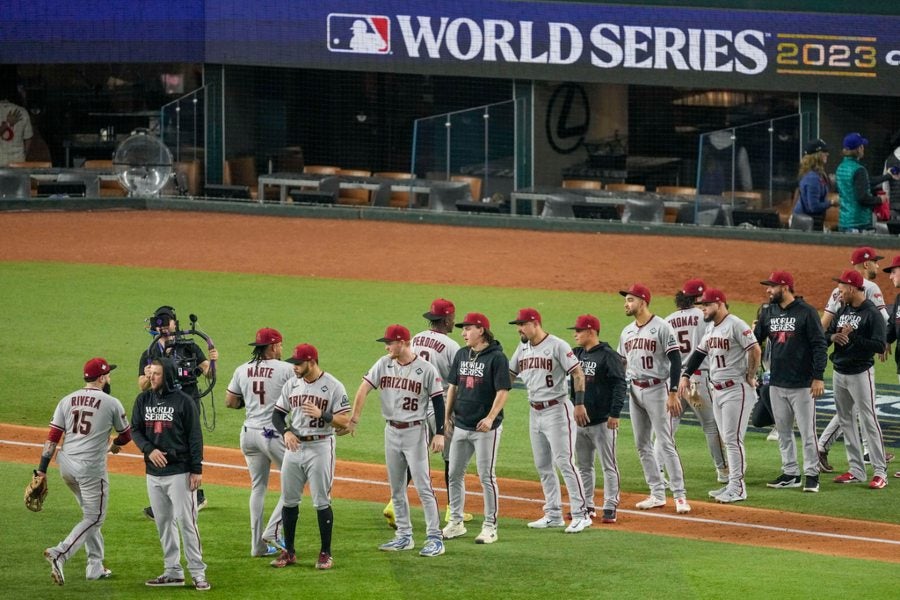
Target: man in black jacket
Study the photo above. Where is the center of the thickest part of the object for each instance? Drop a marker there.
(798, 356)
(604, 397)
(858, 333)
(893, 327)
(165, 426)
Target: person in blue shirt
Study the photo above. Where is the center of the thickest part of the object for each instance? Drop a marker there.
(814, 185)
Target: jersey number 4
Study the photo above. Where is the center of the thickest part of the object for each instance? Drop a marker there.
(259, 389)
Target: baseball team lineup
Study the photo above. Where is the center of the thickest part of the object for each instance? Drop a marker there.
(441, 396)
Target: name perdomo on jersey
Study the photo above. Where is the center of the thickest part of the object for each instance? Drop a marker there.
(428, 342)
(608, 45)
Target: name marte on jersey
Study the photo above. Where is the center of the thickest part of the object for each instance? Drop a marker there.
(471, 369)
(640, 344)
(259, 371)
(400, 383)
(90, 401)
(535, 362)
(428, 342)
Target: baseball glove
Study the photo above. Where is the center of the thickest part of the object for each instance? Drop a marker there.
(694, 398)
(35, 492)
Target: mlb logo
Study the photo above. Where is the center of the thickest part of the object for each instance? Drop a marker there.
(359, 34)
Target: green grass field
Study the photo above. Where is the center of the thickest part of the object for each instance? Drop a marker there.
(58, 315)
(599, 563)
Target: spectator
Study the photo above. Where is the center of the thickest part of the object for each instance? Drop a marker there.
(15, 125)
(814, 186)
(855, 187)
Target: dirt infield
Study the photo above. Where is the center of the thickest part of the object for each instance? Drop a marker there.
(522, 499)
(351, 249)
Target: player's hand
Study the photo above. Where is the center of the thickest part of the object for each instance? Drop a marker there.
(485, 424)
(114, 449)
(673, 403)
(448, 426)
(311, 410)
(158, 458)
(817, 388)
(581, 416)
(612, 423)
(290, 441)
(437, 443)
(213, 354)
(195, 480)
(684, 385)
(840, 338)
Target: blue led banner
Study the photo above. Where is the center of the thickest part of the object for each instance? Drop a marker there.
(532, 40)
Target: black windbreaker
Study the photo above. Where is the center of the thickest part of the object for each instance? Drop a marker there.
(604, 382)
(477, 377)
(867, 338)
(797, 346)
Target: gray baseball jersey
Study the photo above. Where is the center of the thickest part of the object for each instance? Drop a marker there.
(689, 328)
(438, 349)
(406, 390)
(86, 417)
(260, 384)
(544, 368)
(726, 344)
(326, 392)
(645, 348)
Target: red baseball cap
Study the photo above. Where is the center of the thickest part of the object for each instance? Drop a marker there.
(894, 264)
(266, 336)
(693, 287)
(475, 319)
(780, 278)
(861, 255)
(638, 291)
(303, 353)
(850, 277)
(395, 333)
(586, 322)
(96, 367)
(525, 315)
(440, 308)
(710, 296)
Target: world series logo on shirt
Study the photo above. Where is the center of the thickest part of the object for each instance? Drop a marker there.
(359, 34)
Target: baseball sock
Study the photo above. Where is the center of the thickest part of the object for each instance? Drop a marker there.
(289, 516)
(326, 521)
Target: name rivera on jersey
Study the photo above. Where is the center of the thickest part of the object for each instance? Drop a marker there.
(86, 401)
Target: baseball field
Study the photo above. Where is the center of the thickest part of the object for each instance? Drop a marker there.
(77, 285)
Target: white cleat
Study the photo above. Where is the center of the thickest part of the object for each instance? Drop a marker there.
(716, 493)
(729, 497)
(650, 502)
(546, 523)
(578, 525)
(454, 529)
(681, 506)
(488, 535)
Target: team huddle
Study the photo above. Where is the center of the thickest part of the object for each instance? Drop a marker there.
(437, 396)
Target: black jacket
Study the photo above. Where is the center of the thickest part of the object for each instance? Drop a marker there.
(797, 346)
(604, 382)
(893, 329)
(477, 377)
(866, 340)
(168, 420)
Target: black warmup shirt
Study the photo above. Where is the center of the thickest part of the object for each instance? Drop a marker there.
(794, 337)
(867, 338)
(604, 382)
(477, 377)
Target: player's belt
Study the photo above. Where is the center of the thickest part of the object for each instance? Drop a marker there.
(725, 384)
(543, 405)
(645, 383)
(312, 438)
(404, 424)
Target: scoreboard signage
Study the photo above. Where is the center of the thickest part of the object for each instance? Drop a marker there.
(684, 47)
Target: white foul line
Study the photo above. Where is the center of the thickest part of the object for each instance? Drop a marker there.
(656, 515)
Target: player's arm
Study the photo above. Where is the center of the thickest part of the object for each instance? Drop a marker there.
(233, 400)
(448, 407)
(487, 422)
(754, 355)
(53, 436)
(615, 379)
(693, 363)
(827, 318)
(673, 399)
(359, 402)
(581, 416)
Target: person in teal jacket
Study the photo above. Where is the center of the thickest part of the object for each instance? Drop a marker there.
(855, 187)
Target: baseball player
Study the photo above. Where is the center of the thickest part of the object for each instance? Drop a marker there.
(85, 417)
(408, 383)
(688, 326)
(858, 334)
(652, 365)
(865, 261)
(734, 356)
(893, 328)
(798, 356)
(437, 347)
(165, 426)
(478, 388)
(165, 323)
(256, 386)
(309, 408)
(544, 363)
(604, 397)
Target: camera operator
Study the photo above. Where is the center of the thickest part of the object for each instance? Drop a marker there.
(190, 363)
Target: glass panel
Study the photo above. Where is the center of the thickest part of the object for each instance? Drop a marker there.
(182, 127)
